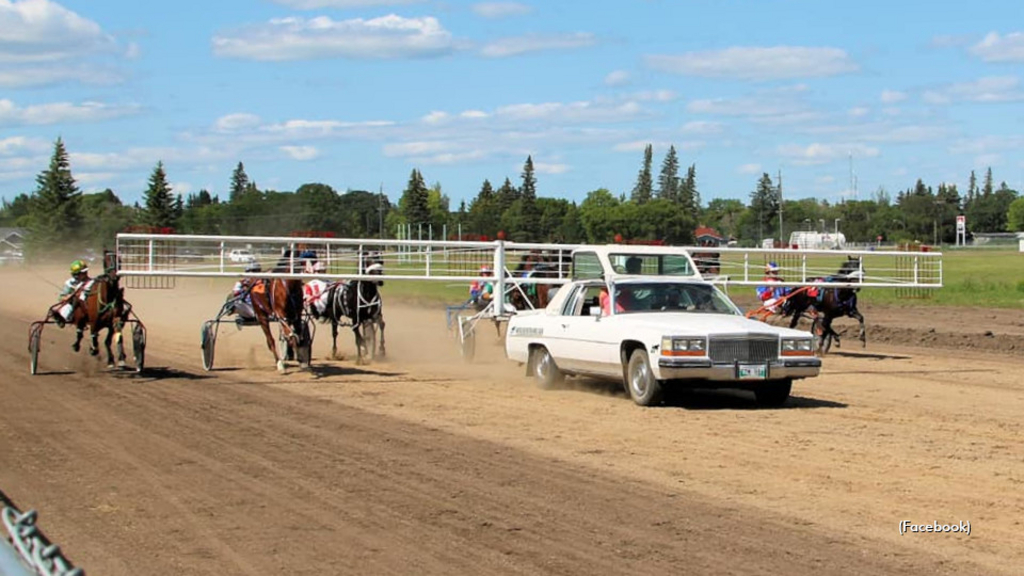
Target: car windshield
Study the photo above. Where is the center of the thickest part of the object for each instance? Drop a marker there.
(635, 297)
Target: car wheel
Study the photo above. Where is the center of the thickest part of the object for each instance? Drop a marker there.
(773, 394)
(544, 368)
(644, 388)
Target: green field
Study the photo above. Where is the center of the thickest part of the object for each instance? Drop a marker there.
(986, 278)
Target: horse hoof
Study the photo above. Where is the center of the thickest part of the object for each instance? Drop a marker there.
(93, 352)
(280, 367)
(76, 347)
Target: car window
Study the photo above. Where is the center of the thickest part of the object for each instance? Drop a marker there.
(652, 264)
(586, 265)
(586, 297)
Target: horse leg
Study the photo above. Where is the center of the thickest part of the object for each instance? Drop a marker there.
(380, 321)
(797, 314)
(79, 333)
(334, 339)
(359, 344)
(106, 343)
(863, 336)
(271, 343)
(829, 333)
(94, 344)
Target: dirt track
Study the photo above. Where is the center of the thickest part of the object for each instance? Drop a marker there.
(422, 464)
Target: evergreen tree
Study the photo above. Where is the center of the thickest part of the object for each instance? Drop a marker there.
(56, 205)
(972, 188)
(987, 190)
(764, 205)
(642, 190)
(506, 196)
(529, 224)
(688, 196)
(414, 202)
(484, 215)
(239, 182)
(668, 179)
(159, 210)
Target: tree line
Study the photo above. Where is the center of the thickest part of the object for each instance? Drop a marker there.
(666, 207)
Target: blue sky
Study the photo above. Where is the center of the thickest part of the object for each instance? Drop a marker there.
(357, 93)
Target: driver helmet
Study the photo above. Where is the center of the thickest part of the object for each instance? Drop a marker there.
(375, 268)
(319, 268)
(78, 267)
(485, 270)
(252, 266)
(772, 268)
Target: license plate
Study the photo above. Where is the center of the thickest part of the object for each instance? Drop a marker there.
(752, 372)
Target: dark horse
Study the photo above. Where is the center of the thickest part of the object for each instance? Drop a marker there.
(357, 303)
(280, 300)
(829, 303)
(102, 308)
(532, 296)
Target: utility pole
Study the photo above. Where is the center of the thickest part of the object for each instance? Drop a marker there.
(780, 208)
(380, 210)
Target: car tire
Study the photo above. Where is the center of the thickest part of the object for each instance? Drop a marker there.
(773, 393)
(544, 369)
(643, 387)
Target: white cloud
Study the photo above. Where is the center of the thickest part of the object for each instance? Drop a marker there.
(21, 144)
(746, 106)
(617, 78)
(984, 90)
(517, 45)
(858, 112)
(825, 180)
(436, 117)
(892, 96)
(986, 145)
(474, 114)
(295, 38)
(550, 168)
(35, 75)
(996, 48)
(824, 153)
(301, 153)
(314, 4)
(61, 112)
(500, 9)
(640, 146)
(950, 41)
(41, 31)
(987, 160)
(773, 63)
(749, 169)
(654, 96)
(582, 111)
(182, 188)
(702, 127)
(416, 148)
(235, 122)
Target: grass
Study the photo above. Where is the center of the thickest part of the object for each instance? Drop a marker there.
(989, 279)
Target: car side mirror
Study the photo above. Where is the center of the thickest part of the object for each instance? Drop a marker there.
(594, 311)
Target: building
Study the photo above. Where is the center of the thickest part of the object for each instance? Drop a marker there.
(12, 241)
(805, 240)
(705, 236)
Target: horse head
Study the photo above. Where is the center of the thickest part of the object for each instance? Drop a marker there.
(851, 270)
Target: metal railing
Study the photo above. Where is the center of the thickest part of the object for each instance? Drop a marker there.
(25, 550)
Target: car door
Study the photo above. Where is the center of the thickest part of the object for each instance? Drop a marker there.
(590, 342)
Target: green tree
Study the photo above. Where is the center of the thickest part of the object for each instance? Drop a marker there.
(484, 217)
(642, 190)
(56, 206)
(764, 204)
(319, 208)
(668, 179)
(414, 202)
(528, 229)
(159, 210)
(17, 212)
(688, 196)
(239, 182)
(987, 188)
(1015, 216)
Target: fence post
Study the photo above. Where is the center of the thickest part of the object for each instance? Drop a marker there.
(150, 247)
(499, 276)
(746, 267)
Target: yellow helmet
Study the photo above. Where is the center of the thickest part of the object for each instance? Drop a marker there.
(77, 267)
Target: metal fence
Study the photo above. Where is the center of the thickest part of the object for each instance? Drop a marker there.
(25, 550)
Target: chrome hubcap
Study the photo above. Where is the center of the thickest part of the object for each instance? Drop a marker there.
(639, 379)
(543, 366)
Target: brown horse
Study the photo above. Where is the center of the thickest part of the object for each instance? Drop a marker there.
(532, 296)
(278, 300)
(101, 308)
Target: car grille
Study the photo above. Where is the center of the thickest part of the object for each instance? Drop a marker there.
(755, 348)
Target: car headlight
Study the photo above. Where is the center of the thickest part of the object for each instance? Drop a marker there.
(681, 346)
(797, 347)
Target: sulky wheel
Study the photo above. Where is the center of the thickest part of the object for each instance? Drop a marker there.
(208, 339)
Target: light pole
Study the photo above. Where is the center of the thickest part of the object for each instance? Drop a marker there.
(837, 227)
(822, 222)
(807, 224)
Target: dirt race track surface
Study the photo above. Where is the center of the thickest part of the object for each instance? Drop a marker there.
(421, 464)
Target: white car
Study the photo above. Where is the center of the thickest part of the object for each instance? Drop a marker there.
(655, 324)
(241, 256)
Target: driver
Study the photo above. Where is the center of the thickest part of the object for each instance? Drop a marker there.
(76, 284)
(315, 292)
(241, 293)
(770, 296)
(481, 292)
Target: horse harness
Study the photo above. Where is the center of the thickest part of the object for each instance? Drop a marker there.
(340, 289)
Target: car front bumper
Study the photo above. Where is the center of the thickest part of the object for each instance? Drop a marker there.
(675, 368)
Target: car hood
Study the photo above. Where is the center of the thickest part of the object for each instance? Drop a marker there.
(690, 323)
